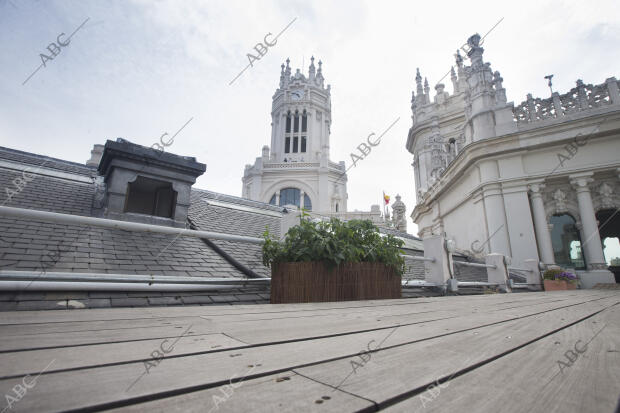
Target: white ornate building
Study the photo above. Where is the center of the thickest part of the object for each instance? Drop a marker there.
(297, 170)
(537, 181)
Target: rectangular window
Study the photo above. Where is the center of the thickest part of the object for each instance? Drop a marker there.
(288, 124)
(304, 123)
(303, 144)
(295, 144)
(287, 145)
(296, 128)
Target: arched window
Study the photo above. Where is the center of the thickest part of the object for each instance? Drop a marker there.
(295, 135)
(289, 196)
(307, 203)
(304, 130)
(287, 136)
(292, 196)
(566, 242)
(609, 230)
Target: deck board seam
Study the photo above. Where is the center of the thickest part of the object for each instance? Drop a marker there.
(336, 388)
(292, 341)
(420, 389)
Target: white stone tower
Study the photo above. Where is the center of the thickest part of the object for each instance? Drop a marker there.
(297, 170)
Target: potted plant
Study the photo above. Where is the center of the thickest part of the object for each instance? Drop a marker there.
(333, 261)
(558, 279)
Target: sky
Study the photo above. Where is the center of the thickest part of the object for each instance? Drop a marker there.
(138, 69)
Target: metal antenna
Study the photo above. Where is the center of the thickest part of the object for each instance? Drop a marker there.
(549, 77)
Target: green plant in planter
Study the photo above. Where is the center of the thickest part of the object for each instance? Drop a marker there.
(334, 242)
(559, 274)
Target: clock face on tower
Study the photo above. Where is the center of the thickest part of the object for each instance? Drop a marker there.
(297, 94)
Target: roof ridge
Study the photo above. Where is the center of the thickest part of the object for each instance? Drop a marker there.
(45, 157)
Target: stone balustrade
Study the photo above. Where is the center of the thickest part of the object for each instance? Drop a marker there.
(580, 98)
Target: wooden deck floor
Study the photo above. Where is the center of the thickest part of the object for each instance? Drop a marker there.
(540, 352)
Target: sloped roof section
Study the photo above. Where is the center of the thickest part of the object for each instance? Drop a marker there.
(31, 245)
(211, 211)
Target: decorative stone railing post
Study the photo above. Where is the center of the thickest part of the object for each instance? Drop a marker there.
(557, 104)
(531, 109)
(582, 97)
(437, 271)
(498, 274)
(612, 87)
(533, 276)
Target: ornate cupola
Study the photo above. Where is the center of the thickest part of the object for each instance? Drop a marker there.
(296, 169)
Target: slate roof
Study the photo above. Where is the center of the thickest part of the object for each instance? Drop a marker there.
(30, 245)
(68, 187)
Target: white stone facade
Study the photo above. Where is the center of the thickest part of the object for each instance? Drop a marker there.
(535, 181)
(297, 169)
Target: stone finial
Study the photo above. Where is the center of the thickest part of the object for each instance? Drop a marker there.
(426, 88)
(418, 81)
(399, 220)
(311, 69)
(459, 59)
(455, 83)
(282, 76)
(500, 92)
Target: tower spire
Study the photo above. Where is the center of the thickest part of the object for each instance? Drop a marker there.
(311, 69)
(319, 74)
(282, 76)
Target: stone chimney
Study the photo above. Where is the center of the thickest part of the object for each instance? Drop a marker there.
(147, 185)
(95, 155)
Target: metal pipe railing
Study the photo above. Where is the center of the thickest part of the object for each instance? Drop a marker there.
(520, 269)
(417, 258)
(68, 219)
(7, 275)
(475, 264)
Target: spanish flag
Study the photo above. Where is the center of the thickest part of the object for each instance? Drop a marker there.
(386, 198)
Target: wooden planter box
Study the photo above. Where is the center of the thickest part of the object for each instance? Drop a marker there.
(559, 285)
(310, 282)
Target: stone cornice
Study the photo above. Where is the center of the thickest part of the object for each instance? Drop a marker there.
(513, 143)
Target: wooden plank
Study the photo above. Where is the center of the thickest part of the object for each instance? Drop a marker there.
(533, 379)
(285, 330)
(26, 362)
(265, 394)
(47, 340)
(245, 325)
(98, 386)
(430, 360)
(17, 364)
(89, 315)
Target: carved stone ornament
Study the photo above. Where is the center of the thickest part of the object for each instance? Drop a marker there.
(560, 201)
(606, 192)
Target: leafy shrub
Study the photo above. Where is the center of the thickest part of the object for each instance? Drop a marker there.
(334, 242)
(559, 274)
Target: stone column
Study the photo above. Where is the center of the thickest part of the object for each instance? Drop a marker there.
(496, 219)
(278, 197)
(545, 247)
(301, 199)
(591, 245)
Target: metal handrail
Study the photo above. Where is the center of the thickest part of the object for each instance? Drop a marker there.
(418, 258)
(8, 275)
(70, 219)
(475, 264)
(520, 269)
